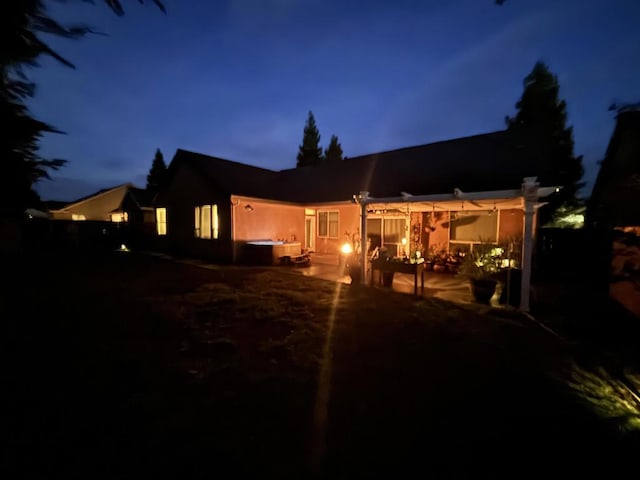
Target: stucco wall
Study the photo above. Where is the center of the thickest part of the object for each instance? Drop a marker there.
(510, 224)
(349, 221)
(439, 237)
(256, 219)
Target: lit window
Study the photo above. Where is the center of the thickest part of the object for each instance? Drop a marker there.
(474, 226)
(328, 224)
(161, 221)
(206, 221)
(120, 217)
(75, 216)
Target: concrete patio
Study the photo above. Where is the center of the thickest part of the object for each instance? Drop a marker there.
(444, 286)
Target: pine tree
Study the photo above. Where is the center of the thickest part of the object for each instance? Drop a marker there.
(333, 153)
(310, 152)
(21, 23)
(157, 172)
(540, 124)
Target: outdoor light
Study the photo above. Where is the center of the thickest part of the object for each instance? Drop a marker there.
(404, 241)
(346, 249)
(248, 208)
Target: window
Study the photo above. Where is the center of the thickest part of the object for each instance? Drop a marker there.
(75, 216)
(120, 217)
(473, 227)
(206, 221)
(394, 230)
(388, 232)
(328, 224)
(161, 221)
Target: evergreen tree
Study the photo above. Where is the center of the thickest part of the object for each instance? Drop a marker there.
(20, 23)
(540, 126)
(310, 152)
(333, 153)
(157, 172)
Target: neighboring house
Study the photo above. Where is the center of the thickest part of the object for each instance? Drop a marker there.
(615, 205)
(123, 208)
(211, 208)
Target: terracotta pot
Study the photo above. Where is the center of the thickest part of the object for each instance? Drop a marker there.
(438, 268)
(387, 279)
(355, 272)
(483, 289)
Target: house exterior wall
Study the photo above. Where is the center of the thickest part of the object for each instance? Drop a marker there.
(437, 239)
(348, 221)
(510, 224)
(257, 219)
(185, 191)
(416, 233)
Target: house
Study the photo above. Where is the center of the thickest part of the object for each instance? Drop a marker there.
(614, 208)
(123, 213)
(216, 208)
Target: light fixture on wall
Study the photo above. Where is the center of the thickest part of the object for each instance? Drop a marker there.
(248, 208)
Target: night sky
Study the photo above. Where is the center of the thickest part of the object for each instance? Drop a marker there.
(236, 78)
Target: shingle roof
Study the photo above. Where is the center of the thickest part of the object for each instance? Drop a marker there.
(484, 162)
(228, 176)
(143, 198)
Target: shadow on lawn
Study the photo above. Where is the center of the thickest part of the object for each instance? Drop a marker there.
(130, 366)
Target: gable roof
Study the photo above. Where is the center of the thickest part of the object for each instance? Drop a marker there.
(491, 161)
(226, 175)
(142, 198)
(99, 205)
(100, 199)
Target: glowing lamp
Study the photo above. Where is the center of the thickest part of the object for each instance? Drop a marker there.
(404, 241)
(346, 249)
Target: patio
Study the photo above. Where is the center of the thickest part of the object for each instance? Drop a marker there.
(443, 286)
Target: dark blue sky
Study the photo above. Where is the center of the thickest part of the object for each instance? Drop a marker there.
(236, 78)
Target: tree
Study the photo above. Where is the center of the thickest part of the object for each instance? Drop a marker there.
(157, 172)
(333, 153)
(540, 127)
(20, 24)
(310, 152)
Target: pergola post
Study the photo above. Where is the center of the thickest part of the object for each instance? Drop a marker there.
(362, 200)
(530, 193)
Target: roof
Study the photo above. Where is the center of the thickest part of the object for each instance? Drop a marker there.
(143, 198)
(226, 175)
(491, 161)
(67, 205)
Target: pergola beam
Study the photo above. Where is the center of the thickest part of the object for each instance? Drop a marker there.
(529, 194)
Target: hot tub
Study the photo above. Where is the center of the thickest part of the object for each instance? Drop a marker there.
(269, 252)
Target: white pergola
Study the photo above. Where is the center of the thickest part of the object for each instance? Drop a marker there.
(527, 198)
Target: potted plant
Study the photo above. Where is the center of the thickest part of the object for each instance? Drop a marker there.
(430, 258)
(440, 262)
(480, 267)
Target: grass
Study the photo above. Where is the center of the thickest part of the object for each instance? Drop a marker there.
(129, 366)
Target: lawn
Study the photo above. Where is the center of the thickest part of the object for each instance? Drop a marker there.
(131, 366)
